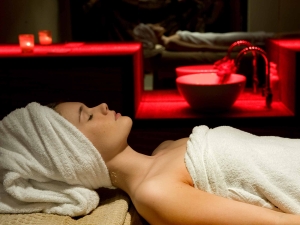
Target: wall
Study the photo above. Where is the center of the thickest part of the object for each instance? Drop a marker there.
(289, 15)
(29, 16)
(273, 15)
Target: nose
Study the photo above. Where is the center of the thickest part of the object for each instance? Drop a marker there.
(103, 108)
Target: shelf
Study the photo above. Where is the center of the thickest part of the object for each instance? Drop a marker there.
(169, 104)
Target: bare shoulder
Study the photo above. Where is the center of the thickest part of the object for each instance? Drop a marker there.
(169, 144)
(152, 201)
(161, 146)
(167, 40)
(174, 37)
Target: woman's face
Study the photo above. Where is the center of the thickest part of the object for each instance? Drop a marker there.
(158, 30)
(106, 129)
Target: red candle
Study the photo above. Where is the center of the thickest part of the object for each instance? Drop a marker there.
(45, 37)
(26, 42)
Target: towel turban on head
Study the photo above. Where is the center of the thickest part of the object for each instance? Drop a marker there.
(47, 164)
(146, 35)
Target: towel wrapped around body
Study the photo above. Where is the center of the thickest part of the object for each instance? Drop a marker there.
(260, 170)
(223, 39)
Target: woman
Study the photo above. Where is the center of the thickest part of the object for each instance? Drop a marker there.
(161, 186)
(153, 34)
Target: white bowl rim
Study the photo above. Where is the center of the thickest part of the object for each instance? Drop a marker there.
(180, 79)
(194, 66)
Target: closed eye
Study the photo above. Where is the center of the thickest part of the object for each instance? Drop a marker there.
(90, 117)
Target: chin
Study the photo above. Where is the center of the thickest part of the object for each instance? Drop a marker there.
(127, 118)
(127, 121)
(130, 122)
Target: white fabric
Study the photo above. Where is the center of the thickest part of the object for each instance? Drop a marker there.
(263, 171)
(47, 164)
(146, 35)
(226, 39)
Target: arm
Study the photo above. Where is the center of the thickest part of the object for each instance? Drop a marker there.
(173, 43)
(178, 203)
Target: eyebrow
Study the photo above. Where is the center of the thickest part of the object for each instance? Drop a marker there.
(79, 112)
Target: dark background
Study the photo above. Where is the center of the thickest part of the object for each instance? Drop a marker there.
(114, 20)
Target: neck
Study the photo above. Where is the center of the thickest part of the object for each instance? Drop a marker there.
(163, 40)
(128, 169)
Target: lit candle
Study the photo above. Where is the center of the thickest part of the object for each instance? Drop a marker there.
(45, 37)
(26, 42)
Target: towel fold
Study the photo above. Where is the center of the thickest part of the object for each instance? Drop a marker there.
(47, 164)
(260, 170)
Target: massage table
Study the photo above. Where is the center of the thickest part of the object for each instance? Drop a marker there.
(115, 208)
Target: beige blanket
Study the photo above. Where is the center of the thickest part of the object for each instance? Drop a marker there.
(114, 209)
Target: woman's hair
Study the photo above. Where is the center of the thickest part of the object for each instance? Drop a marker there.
(52, 105)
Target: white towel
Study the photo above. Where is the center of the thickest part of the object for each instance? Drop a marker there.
(231, 163)
(146, 35)
(47, 164)
(223, 39)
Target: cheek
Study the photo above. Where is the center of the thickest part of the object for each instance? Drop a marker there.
(104, 135)
(96, 133)
(109, 138)
(99, 132)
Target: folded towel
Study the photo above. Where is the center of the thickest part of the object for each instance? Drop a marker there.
(234, 164)
(47, 164)
(115, 210)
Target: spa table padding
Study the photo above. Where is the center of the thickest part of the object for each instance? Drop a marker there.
(115, 209)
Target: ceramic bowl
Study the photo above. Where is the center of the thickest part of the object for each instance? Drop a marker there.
(205, 93)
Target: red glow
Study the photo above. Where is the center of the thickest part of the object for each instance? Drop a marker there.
(285, 53)
(70, 49)
(26, 42)
(209, 79)
(185, 70)
(162, 104)
(45, 37)
(288, 43)
(88, 49)
(169, 104)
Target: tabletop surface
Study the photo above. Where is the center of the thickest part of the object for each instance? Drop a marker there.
(72, 49)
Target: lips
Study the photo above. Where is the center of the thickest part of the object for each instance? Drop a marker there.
(117, 115)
